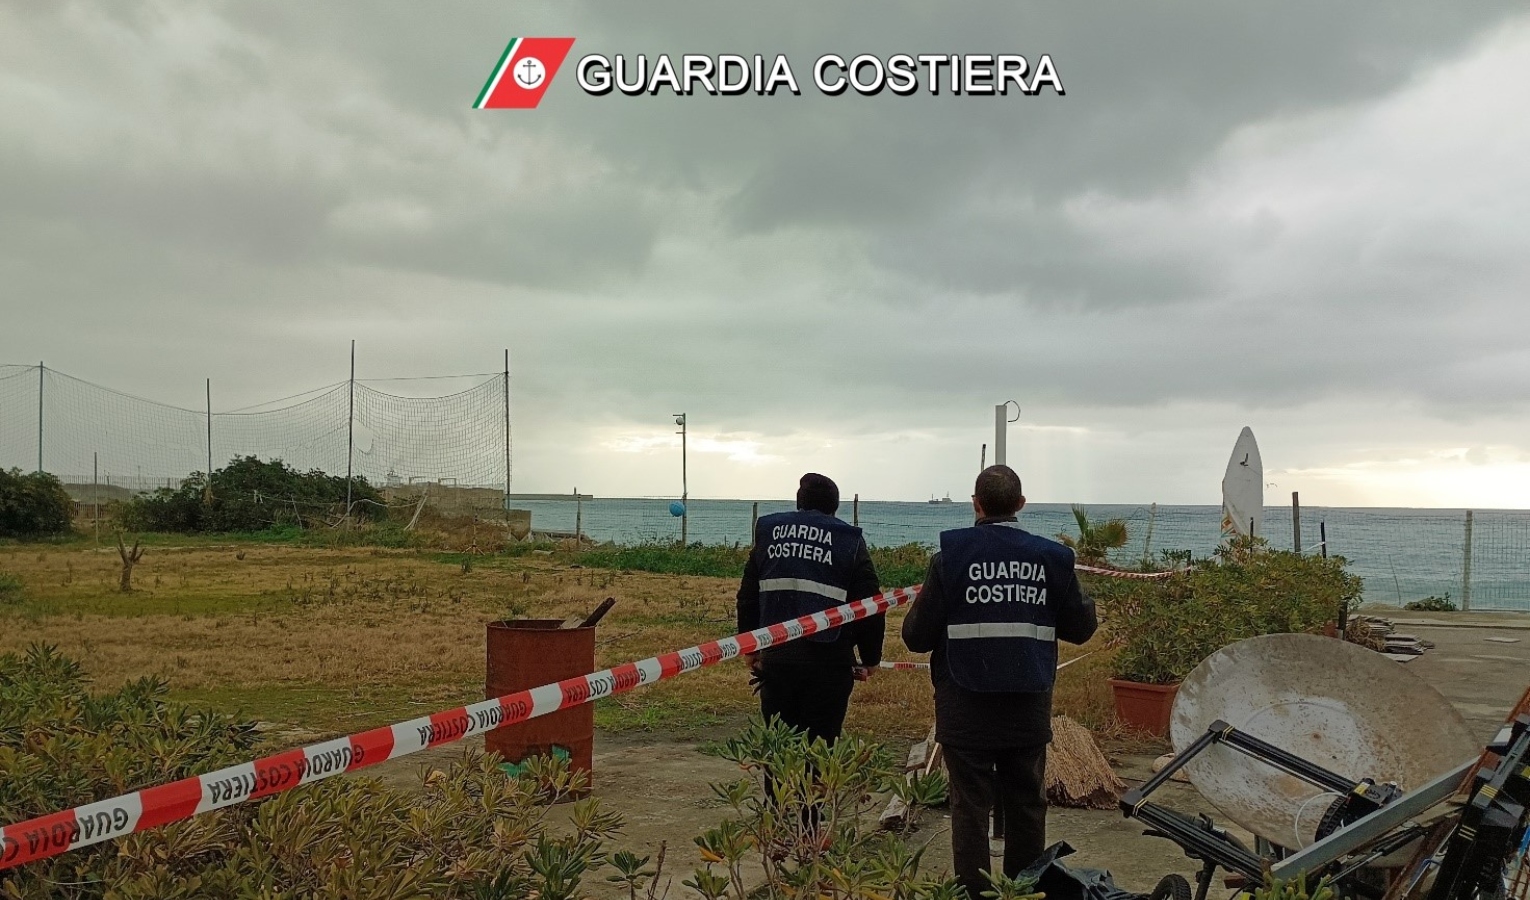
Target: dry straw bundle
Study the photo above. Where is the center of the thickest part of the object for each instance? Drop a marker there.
(1078, 774)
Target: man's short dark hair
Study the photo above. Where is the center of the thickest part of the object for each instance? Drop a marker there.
(998, 491)
(818, 492)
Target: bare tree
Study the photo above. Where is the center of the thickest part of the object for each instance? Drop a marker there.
(130, 559)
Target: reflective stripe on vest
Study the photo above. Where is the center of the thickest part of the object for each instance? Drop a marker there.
(1001, 586)
(1002, 630)
(805, 561)
(804, 584)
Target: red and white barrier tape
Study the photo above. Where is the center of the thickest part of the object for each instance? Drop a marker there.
(152, 807)
(1117, 573)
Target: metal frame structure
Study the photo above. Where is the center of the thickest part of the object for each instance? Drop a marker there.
(1376, 817)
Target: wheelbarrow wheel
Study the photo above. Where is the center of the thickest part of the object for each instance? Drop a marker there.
(1171, 887)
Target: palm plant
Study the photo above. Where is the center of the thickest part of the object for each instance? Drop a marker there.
(1095, 539)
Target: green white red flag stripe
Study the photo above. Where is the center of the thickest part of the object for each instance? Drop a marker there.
(523, 72)
(55, 833)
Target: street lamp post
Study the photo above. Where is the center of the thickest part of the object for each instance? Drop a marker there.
(685, 497)
(1001, 422)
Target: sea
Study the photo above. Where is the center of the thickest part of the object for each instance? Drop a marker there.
(1403, 555)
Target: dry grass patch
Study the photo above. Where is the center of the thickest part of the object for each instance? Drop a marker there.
(332, 638)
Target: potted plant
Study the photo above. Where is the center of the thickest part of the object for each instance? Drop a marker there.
(1165, 627)
(1163, 634)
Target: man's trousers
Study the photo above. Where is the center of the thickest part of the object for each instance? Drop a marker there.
(811, 698)
(1014, 778)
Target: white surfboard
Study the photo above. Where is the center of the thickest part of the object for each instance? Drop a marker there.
(1243, 488)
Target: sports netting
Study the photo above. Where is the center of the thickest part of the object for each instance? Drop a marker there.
(129, 442)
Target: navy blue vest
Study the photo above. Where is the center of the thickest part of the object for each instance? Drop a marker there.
(806, 560)
(1002, 584)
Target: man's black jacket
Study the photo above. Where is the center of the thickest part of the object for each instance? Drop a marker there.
(966, 718)
(865, 634)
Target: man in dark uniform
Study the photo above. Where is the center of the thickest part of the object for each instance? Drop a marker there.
(996, 600)
(805, 562)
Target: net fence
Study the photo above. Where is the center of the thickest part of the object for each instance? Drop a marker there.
(87, 434)
(454, 450)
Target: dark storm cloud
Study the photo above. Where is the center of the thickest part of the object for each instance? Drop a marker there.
(1224, 208)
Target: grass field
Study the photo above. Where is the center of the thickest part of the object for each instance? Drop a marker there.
(338, 638)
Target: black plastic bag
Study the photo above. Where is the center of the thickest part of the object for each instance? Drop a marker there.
(1059, 882)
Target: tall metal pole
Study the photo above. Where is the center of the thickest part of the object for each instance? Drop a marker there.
(1296, 522)
(685, 489)
(999, 435)
(983, 458)
(95, 492)
(1001, 422)
(1466, 566)
(507, 433)
(350, 435)
(39, 415)
(207, 494)
(685, 495)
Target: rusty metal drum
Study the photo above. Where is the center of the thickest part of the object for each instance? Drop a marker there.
(528, 653)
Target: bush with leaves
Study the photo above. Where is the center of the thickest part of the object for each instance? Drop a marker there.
(1432, 604)
(10, 588)
(804, 810)
(1095, 540)
(471, 833)
(60, 746)
(1165, 627)
(1293, 888)
(33, 505)
(247, 495)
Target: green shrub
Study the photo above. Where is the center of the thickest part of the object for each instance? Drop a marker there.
(902, 566)
(33, 505)
(1432, 604)
(1293, 888)
(718, 560)
(1095, 540)
(1165, 627)
(61, 747)
(840, 848)
(470, 833)
(250, 495)
(10, 588)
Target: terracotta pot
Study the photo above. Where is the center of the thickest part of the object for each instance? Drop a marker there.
(1144, 706)
(1331, 629)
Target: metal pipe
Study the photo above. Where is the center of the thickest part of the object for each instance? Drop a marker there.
(507, 432)
(1000, 426)
(208, 492)
(1466, 560)
(350, 434)
(40, 371)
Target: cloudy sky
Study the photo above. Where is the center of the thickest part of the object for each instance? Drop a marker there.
(1307, 218)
